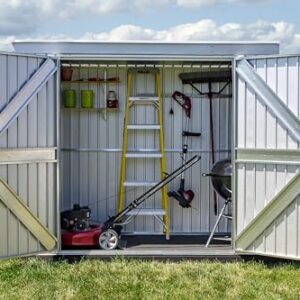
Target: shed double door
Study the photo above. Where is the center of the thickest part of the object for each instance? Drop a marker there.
(267, 156)
(28, 158)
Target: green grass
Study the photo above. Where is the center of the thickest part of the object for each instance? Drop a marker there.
(132, 279)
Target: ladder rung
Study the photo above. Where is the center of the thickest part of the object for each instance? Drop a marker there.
(224, 239)
(144, 98)
(147, 212)
(140, 183)
(145, 126)
(143, 154)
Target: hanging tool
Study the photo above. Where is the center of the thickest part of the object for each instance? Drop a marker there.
(209, 77)
(184, 197)
(184, 101)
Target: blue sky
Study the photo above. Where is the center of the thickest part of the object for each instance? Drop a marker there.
(169, 15)
(261, 20)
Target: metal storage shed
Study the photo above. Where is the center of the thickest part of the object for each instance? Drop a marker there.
(51, 157)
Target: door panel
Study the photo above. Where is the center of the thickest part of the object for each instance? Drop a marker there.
(267, 156)
(28, 147)
(26, 216)
(281, 236)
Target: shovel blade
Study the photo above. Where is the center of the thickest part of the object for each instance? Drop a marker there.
(205, 77)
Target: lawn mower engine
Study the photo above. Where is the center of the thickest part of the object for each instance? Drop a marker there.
(77, 229)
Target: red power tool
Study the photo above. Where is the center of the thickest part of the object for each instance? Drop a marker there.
(184, 101)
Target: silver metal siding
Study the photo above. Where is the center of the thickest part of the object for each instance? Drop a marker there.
(258, 183)
(35, 127)
(282, 236)
(91, 150)
(257, 127)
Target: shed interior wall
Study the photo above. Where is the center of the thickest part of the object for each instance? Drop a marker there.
(91, 146)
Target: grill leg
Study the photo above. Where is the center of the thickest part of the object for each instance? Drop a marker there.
(216, 224)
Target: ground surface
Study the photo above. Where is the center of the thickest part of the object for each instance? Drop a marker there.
(123, 279)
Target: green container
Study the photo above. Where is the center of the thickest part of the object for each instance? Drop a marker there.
(87, 98)
(69, 98)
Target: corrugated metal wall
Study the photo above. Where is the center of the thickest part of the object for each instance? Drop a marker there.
(91, 147)
(35, 127)
(282, 236)
(257, 128)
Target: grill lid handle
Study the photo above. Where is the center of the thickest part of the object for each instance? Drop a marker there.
(214, 175)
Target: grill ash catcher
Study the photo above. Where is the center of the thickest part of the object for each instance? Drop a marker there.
(209, 78)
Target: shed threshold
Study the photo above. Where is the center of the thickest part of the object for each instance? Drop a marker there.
(156, 247)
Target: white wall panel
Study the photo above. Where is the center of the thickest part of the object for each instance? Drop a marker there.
(281, 237)
(257, 127)
(257, 185)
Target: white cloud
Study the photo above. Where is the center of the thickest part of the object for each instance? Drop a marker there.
(24, 16)
(196, 3)
(209, 30)
(5, 43)
(202, 3)
(204, 30)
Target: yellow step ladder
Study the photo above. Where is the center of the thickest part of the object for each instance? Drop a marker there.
(160, 214)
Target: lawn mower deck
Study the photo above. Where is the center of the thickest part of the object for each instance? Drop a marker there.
(87, 237)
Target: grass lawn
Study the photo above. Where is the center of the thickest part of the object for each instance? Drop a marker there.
(132, 279)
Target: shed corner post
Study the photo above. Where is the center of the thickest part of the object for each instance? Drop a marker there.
(233, 151)
(58, 166)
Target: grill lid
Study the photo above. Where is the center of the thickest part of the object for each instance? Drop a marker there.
(221, 173)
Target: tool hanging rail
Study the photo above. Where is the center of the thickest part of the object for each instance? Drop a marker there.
(155, 100)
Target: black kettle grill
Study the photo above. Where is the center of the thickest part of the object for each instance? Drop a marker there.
(221, 174)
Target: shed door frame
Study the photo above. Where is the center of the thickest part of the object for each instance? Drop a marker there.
(247, 80)
(44, 71)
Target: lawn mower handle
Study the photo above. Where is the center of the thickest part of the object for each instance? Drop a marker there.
(113, 221)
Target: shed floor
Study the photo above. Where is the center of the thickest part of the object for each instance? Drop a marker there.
(157, 247)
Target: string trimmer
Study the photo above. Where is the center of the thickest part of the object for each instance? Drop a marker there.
(183, 196)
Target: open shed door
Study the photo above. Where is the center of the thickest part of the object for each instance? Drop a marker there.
(267, 178)
(28, 145)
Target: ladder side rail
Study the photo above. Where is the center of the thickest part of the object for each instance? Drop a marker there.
(162, 159)
(124, 146)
